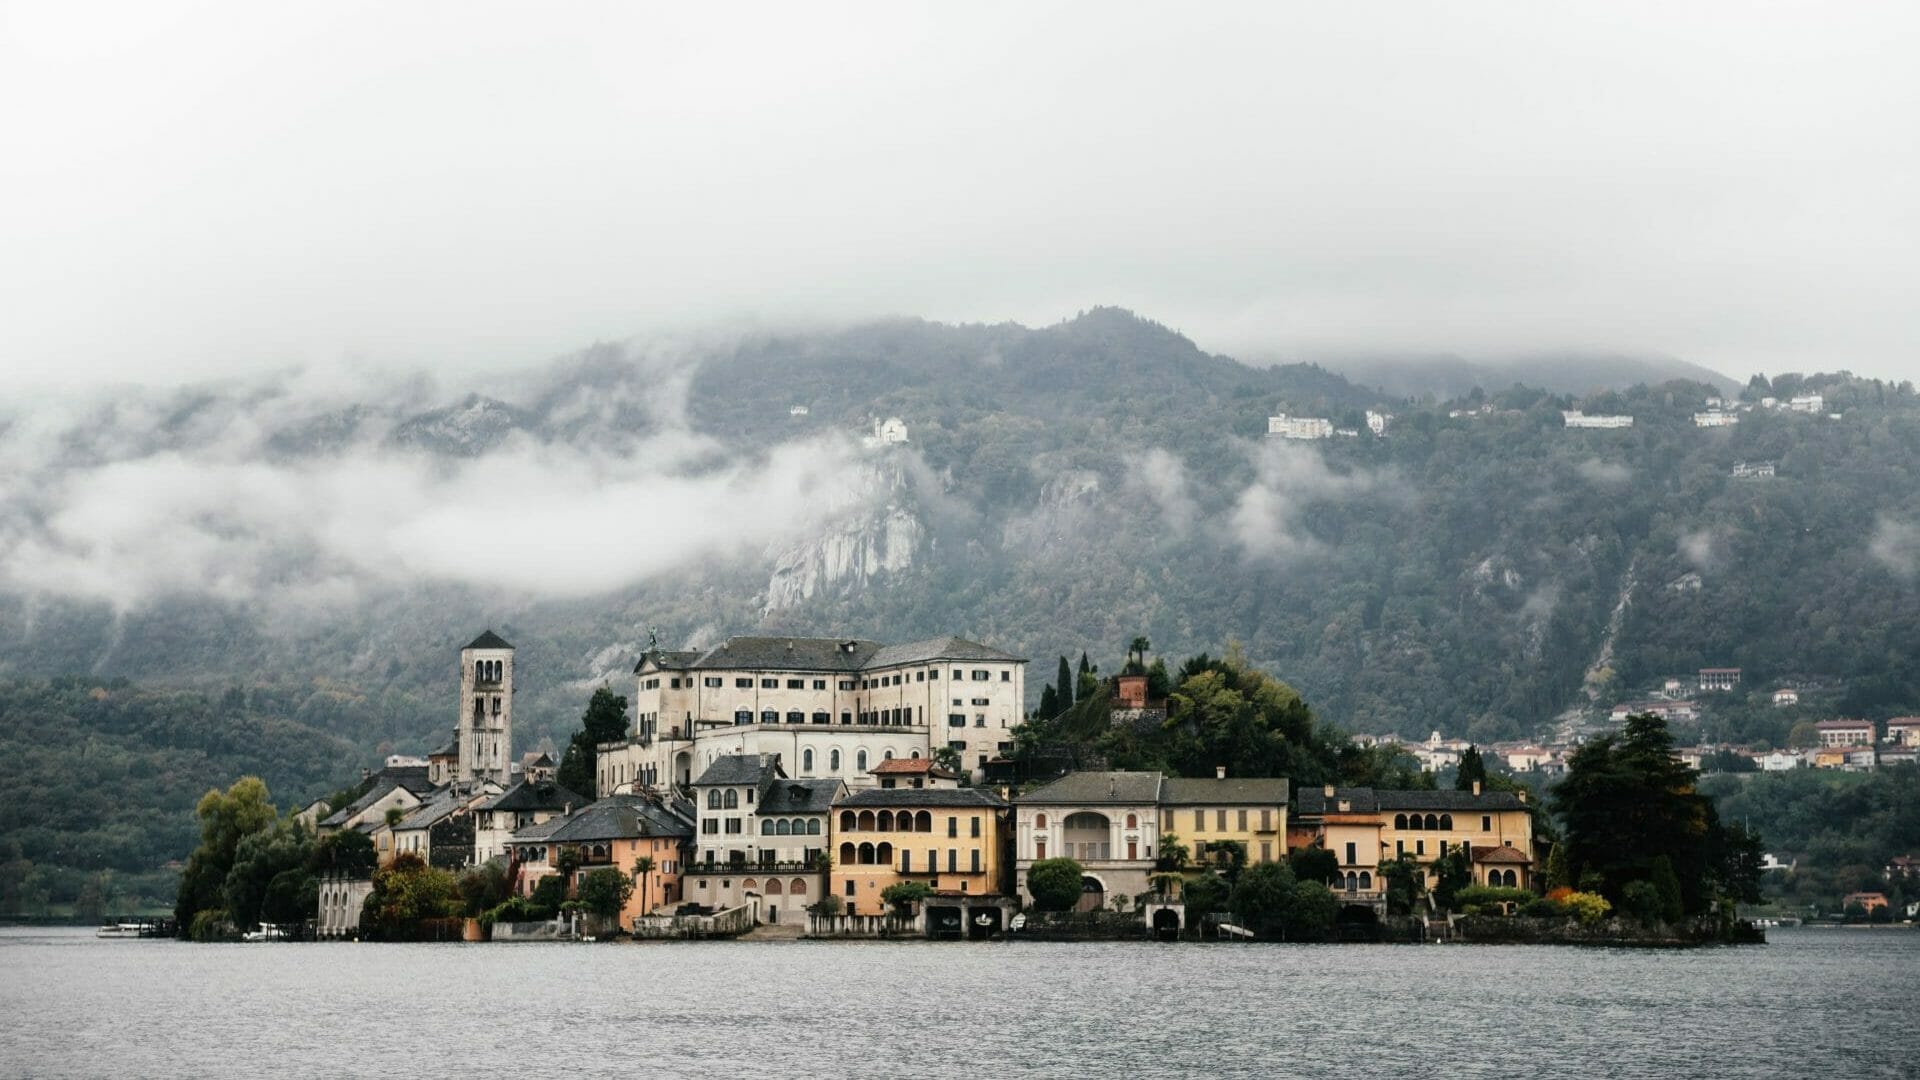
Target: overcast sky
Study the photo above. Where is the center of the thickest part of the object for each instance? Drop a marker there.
(191, 189)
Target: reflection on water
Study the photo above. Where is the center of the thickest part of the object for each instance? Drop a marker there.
(1812, 1003)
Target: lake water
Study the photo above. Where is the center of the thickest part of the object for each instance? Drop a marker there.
(1837, 1003)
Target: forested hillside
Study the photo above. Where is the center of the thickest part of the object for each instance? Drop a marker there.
(1478, 570)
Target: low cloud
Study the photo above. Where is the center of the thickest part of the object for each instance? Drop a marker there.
(1268, 519)
(1604, 473)
(1700, 549)
(1161, 476)
(126, 501)
(1896, 546)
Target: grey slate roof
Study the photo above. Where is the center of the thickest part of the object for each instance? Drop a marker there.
(1087, 788)
(538, 832)
(618, 817)
(668, 659)
(840, 655)
(876, 797)
(738, 770)
(1212, 791)
(1313, 800)
(798, 797)
(526, 795)
(432, 812)
(489, 640)
(383, 783)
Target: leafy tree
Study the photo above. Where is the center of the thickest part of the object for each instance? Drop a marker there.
(1559, 875)
(346, 850)
(903, 895)
(1173, 852)
(1314, 863)
(1263, 894)
(1088, 680)
(549, 893)
(225, 820)
(407, 892)
(272, 860)
(605, 720)
(949, 759)
(1666, 886)
(1055, 884)
(1473, 770)
(1205, 894)
(1311, 910)
(1451, 873)
(1159, 684)
(483, 888)
(1643, 901)
(1803, 735)
(1404, 884)
(605, 891)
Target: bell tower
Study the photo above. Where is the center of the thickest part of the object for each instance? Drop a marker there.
(485, 740)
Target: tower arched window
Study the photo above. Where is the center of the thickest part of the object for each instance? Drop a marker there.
(806, 760)
(833, 762)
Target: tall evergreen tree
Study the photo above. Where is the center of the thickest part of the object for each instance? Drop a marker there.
(1063, 685)
(604, 721)
(1473, 769)
(1049, 703)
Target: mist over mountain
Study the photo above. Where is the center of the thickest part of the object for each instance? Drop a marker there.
(314, 550)
(1446, 376)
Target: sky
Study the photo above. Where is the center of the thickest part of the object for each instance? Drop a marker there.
(194, 190)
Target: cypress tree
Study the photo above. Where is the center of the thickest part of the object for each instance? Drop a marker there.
(1472, 768)
(1049, 704)
(1064, 685)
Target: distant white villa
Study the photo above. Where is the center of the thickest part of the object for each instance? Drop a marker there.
(798, 410)
(1715, 418)
(1299, 427)
(1574, 418)
(889, 432)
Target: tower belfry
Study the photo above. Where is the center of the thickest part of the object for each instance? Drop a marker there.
(485, 737)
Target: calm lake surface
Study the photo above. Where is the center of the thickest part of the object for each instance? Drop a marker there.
(1813, 1003)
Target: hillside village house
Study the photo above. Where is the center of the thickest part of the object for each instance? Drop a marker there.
(401, 789)
(1666, 710)
(1299, 427)
(528, 802)
(1208, 813)
(616, 831)
(829, 708)
(1365, 826)
(1904, 730)
(1719, 678)
(913, 773)
(439, 830)
(1845, 732)
(950, 838)
(1107, 821)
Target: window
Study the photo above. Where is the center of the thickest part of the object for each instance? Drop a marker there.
(976, 824)
(956, 719)
(1242, 821)
(833, 761)
(981, 676)
(1133, 821)
(1006, 676)
(731, 800)
(979, 719)
(1266, 851)
(1486, 823)
(957, 702)
(796, 717)
(822, 718)
(980, 701)
(976, 865)
(1266, 821)
(953, 825)
(819, 684)
(733, 825)
(1352, 856)
(860, 761)
(713, 798)
(710, 826)
(1419, 847)
(766, 827)
(953, 860)
(846, 718)
(769, 684)
(1199, 820)
(1039, 821)
(1399, 847)
(796, 684)
(769, 716)
(743, 716)
(846, 684)
(958, 744)
(744, 684)
(1220, 820)
(919, 676)
(886, 755)
(906, 861)
(934, 674)
(806, 760)
(712, 680)
(849, 893)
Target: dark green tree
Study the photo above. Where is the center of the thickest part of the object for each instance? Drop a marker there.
(604, 721)
(1451, 873)
(1262, 895)
(1049, 703)
(1055, 884)
(605, 891)
(1314, 863)
(1063, 686)
(1473, 770)
(1205, 894)
(1311, 910)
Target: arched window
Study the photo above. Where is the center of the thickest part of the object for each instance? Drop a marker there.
(846, 821)
(1446, 821)
(1353, 881)
(749, 884)
(860, 761)
(821, 718)
(713, 798)
(796, 717)
(866, 855)
(886, 755)
(885, 821)
(1366, 880)
(769, 716)
(1399, 821)
(732, 799)
(797, 887)
(806, 760)
(866, 821)
(783, 828)
(1133, 821)
(766, 828)
(913, 753)
(1433, 821)
(833, 762)
(923, 822)
(1413, 821)
(743, 716)
(883, 855)
(774, 888)
(1039, 821)
(846, 855)
(813, 826)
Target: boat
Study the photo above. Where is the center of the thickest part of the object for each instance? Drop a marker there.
(124, 930)
(267, 932)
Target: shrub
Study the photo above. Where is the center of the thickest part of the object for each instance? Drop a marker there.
(1642, 900)
(1544, 908)
(905, 894)
(1588, 907)
(1488, 896)
(1055, 884)
(517, 909)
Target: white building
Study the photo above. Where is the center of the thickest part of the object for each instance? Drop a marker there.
(1106, 821)
(889, 432)
(1784, 698)
(798, 410)
(1780, 761)
(826, 708)
(1377, 421)
(1299, 427)
(1808, 403)
(1753, 470)
(1715, 418)
(1574, 418)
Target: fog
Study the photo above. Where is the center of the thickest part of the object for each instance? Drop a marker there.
(199, 189)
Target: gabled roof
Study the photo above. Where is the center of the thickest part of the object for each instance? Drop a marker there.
(911, 766)
(667, 659)
(1087, 788)
(798, 796)
(839, 655)
(1505, 853)
(489, 640)
(1212, 791)
(432, 812)
(1313, 800)
(940, 648)
(915, 797)
(451, 750)
(383, 785)
(739, 769)
(531, 795)
(618, 817)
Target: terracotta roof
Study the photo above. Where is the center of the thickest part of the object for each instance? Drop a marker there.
(1505, 853)
(1832, 725)
(910, 766)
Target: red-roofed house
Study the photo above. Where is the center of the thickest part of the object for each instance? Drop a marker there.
(1904, 730)
(913, 772)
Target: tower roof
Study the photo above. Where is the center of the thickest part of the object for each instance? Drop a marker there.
(489, 640)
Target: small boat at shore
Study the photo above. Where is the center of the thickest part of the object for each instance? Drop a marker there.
(129, 930)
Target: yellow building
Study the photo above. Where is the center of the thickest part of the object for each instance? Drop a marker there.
(1365, 827)
(1205, 813)
(948, 838)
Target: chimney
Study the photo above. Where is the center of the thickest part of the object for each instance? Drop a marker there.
(1328, 792)
(1476, 787)
(1219, 772)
